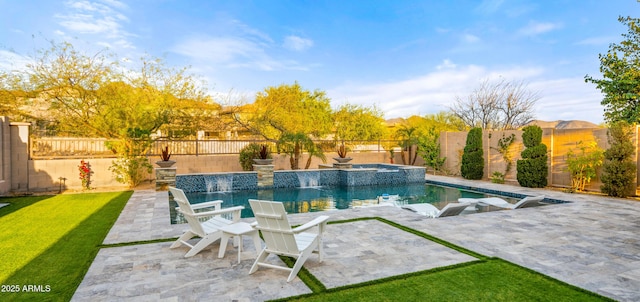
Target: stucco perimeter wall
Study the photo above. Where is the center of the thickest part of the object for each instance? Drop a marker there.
(559, 142)
(53, 175)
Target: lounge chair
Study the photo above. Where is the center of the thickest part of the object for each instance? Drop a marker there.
(430, 210)
(209, 230)
(281, 239)
(529, 201)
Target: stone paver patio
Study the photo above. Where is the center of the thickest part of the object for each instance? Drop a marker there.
(591, 243)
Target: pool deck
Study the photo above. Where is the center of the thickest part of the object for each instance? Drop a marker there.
(591, 243)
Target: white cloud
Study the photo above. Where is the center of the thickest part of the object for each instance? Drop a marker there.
(13, 61)
(297, 43)
(566, 98)
(602, 40)
(469, 38)
(101, 19)
(536, 28)
(234, 52)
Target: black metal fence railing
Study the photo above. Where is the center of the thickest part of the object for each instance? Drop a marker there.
(63, 147)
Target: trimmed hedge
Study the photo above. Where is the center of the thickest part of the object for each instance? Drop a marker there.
(532, 168)
(619, 169)
(473, 157)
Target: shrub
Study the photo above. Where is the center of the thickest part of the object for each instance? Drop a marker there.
(472, 158)
(619, 168)
(247, 154)
(532, 168)
(582, 165)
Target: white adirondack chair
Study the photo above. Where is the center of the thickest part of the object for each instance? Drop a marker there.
(208, 230)
(282, 240)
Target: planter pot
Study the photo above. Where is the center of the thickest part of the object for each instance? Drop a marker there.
(165, 163)
(258, 161)
(343, 160)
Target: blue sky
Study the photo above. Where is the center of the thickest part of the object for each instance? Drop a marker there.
(406, 57)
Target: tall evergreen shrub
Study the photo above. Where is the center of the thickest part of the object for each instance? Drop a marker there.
(618, 168)
(472, 159)
(532, 168)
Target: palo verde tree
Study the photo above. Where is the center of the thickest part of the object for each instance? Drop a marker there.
(473, 157)
(500, 105)
(532, 168)
(357, 122)
(618, 168)
(97, 96)
(285, 113)
(620, 69)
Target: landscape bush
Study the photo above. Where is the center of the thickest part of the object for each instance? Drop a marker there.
(618, 168)
(472, 158)
(247, 154)
(532, 168)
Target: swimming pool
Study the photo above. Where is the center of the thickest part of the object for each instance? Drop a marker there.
(327, 198)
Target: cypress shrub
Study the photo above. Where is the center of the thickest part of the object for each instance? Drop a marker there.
(532, 168)
(472, 159)
(618, 168)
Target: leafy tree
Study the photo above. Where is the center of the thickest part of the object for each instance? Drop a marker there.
(98, 96)
(408, 137)
(291, 116)
(288, 109)
(472, 159)
(429, 150)
(618, 168)
(498, 105)
(293, 144)
(620, 68)
(532, 168)
(356, 122)
(583, 164)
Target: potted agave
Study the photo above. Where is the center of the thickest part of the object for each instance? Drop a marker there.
(264, 156)
(342, 155)
(165, 156)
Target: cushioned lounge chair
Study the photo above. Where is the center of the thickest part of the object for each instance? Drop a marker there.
(430, 210)
(282, 240)
(208, 230)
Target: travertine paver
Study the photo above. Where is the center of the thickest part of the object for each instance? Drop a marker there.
(591, 243)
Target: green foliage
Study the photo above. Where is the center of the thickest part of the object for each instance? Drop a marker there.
(620, 68)
(132, 166)
(618, 168)
(293, 144)
(429, 150)
(356, 122)
(289, 109)
(504, 144)
(531, 136)
(247, 154)
(583, 164)
(497, 177)
(472, 159)
(532, 168)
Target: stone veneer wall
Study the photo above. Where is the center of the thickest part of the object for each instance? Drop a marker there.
(360, 175)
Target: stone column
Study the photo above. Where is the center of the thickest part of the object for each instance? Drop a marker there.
(265, 175)
(165, 177)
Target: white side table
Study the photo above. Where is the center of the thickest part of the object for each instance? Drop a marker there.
(237, 230)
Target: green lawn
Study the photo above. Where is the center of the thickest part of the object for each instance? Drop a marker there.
(49, 243)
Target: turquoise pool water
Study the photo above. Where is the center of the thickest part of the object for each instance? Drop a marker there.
(313, 199)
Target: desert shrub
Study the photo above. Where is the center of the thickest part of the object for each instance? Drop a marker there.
(583, 164)
(472, 158)
(618, 168)
(247, 154)
(532, 168)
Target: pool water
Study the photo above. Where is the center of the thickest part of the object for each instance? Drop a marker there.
(314, 199)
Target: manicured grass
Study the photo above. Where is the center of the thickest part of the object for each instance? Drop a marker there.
(489, 280)
(49, 242)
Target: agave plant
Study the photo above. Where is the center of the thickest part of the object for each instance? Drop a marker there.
(342, 151)
(165, 154)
